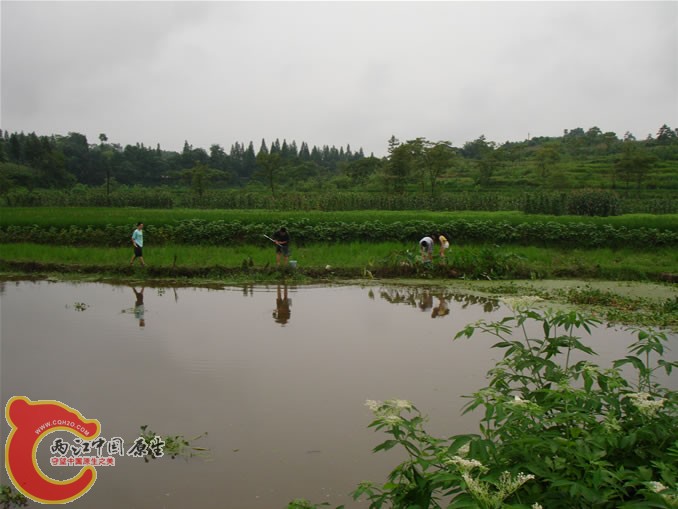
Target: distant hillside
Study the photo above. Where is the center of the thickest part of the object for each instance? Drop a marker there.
(577, 160)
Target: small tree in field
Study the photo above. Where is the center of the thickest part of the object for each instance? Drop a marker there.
(546, 158)
(634, 164)
(269, 169)
(666, 135)
(431, 160)
(398, 168)
(200, 177)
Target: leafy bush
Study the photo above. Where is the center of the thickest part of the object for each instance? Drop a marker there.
(594, 203)
(650, 205)
(586, 202)
(554, 433)
(222, 232)
(544, 203)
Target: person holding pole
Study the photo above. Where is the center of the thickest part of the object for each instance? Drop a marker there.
(282, 245)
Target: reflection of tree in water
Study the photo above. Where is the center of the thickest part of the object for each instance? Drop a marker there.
(422, 298)
(248, 290)
(489, 304)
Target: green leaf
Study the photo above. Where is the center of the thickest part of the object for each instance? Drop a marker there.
(629, 359)
(385, 446)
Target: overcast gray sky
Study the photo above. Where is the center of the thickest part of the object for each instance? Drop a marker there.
(336, 73)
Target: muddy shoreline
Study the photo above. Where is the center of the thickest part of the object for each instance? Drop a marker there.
(40, 270)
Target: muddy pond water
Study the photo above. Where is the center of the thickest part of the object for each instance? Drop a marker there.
(277, 376)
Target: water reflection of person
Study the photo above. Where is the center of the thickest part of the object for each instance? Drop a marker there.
(441, 309)
(139, 306)
(426, 301)
(282, 311)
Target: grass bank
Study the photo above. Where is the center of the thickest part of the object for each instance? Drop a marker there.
(602, 275)
(346, 260)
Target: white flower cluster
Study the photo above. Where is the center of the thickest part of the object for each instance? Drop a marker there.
(508, 484)
(518, 401)
(373, 405)
(489, 394)
(493, 496)
(591, 368)
(537, 506)
(464, 450)
(521, 303)
(658, 487)
(464, 464)
(392, 419)
(645, 404)
(401, 404)
(389, 410)
(478, 489)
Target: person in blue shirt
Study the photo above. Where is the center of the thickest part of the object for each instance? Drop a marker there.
(138, 243)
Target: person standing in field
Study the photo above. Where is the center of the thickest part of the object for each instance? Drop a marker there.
(426, 245)
(444, 244)
(282, 245)
(138, 243)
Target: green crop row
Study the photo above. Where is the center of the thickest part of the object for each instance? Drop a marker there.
(99, 217)
(219, 232)
(576, 202)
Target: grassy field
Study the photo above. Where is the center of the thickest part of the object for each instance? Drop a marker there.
(514, 260)
(469, 260)
(95, 216)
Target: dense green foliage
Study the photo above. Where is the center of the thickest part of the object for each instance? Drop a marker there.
(556, 430)
(112, 227)
(416, 174)
(584, 202)
(101, 216)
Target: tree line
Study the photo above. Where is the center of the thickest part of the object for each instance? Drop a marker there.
(61, 161)
(30, 161)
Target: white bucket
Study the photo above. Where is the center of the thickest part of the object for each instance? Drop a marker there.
(293, 264)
